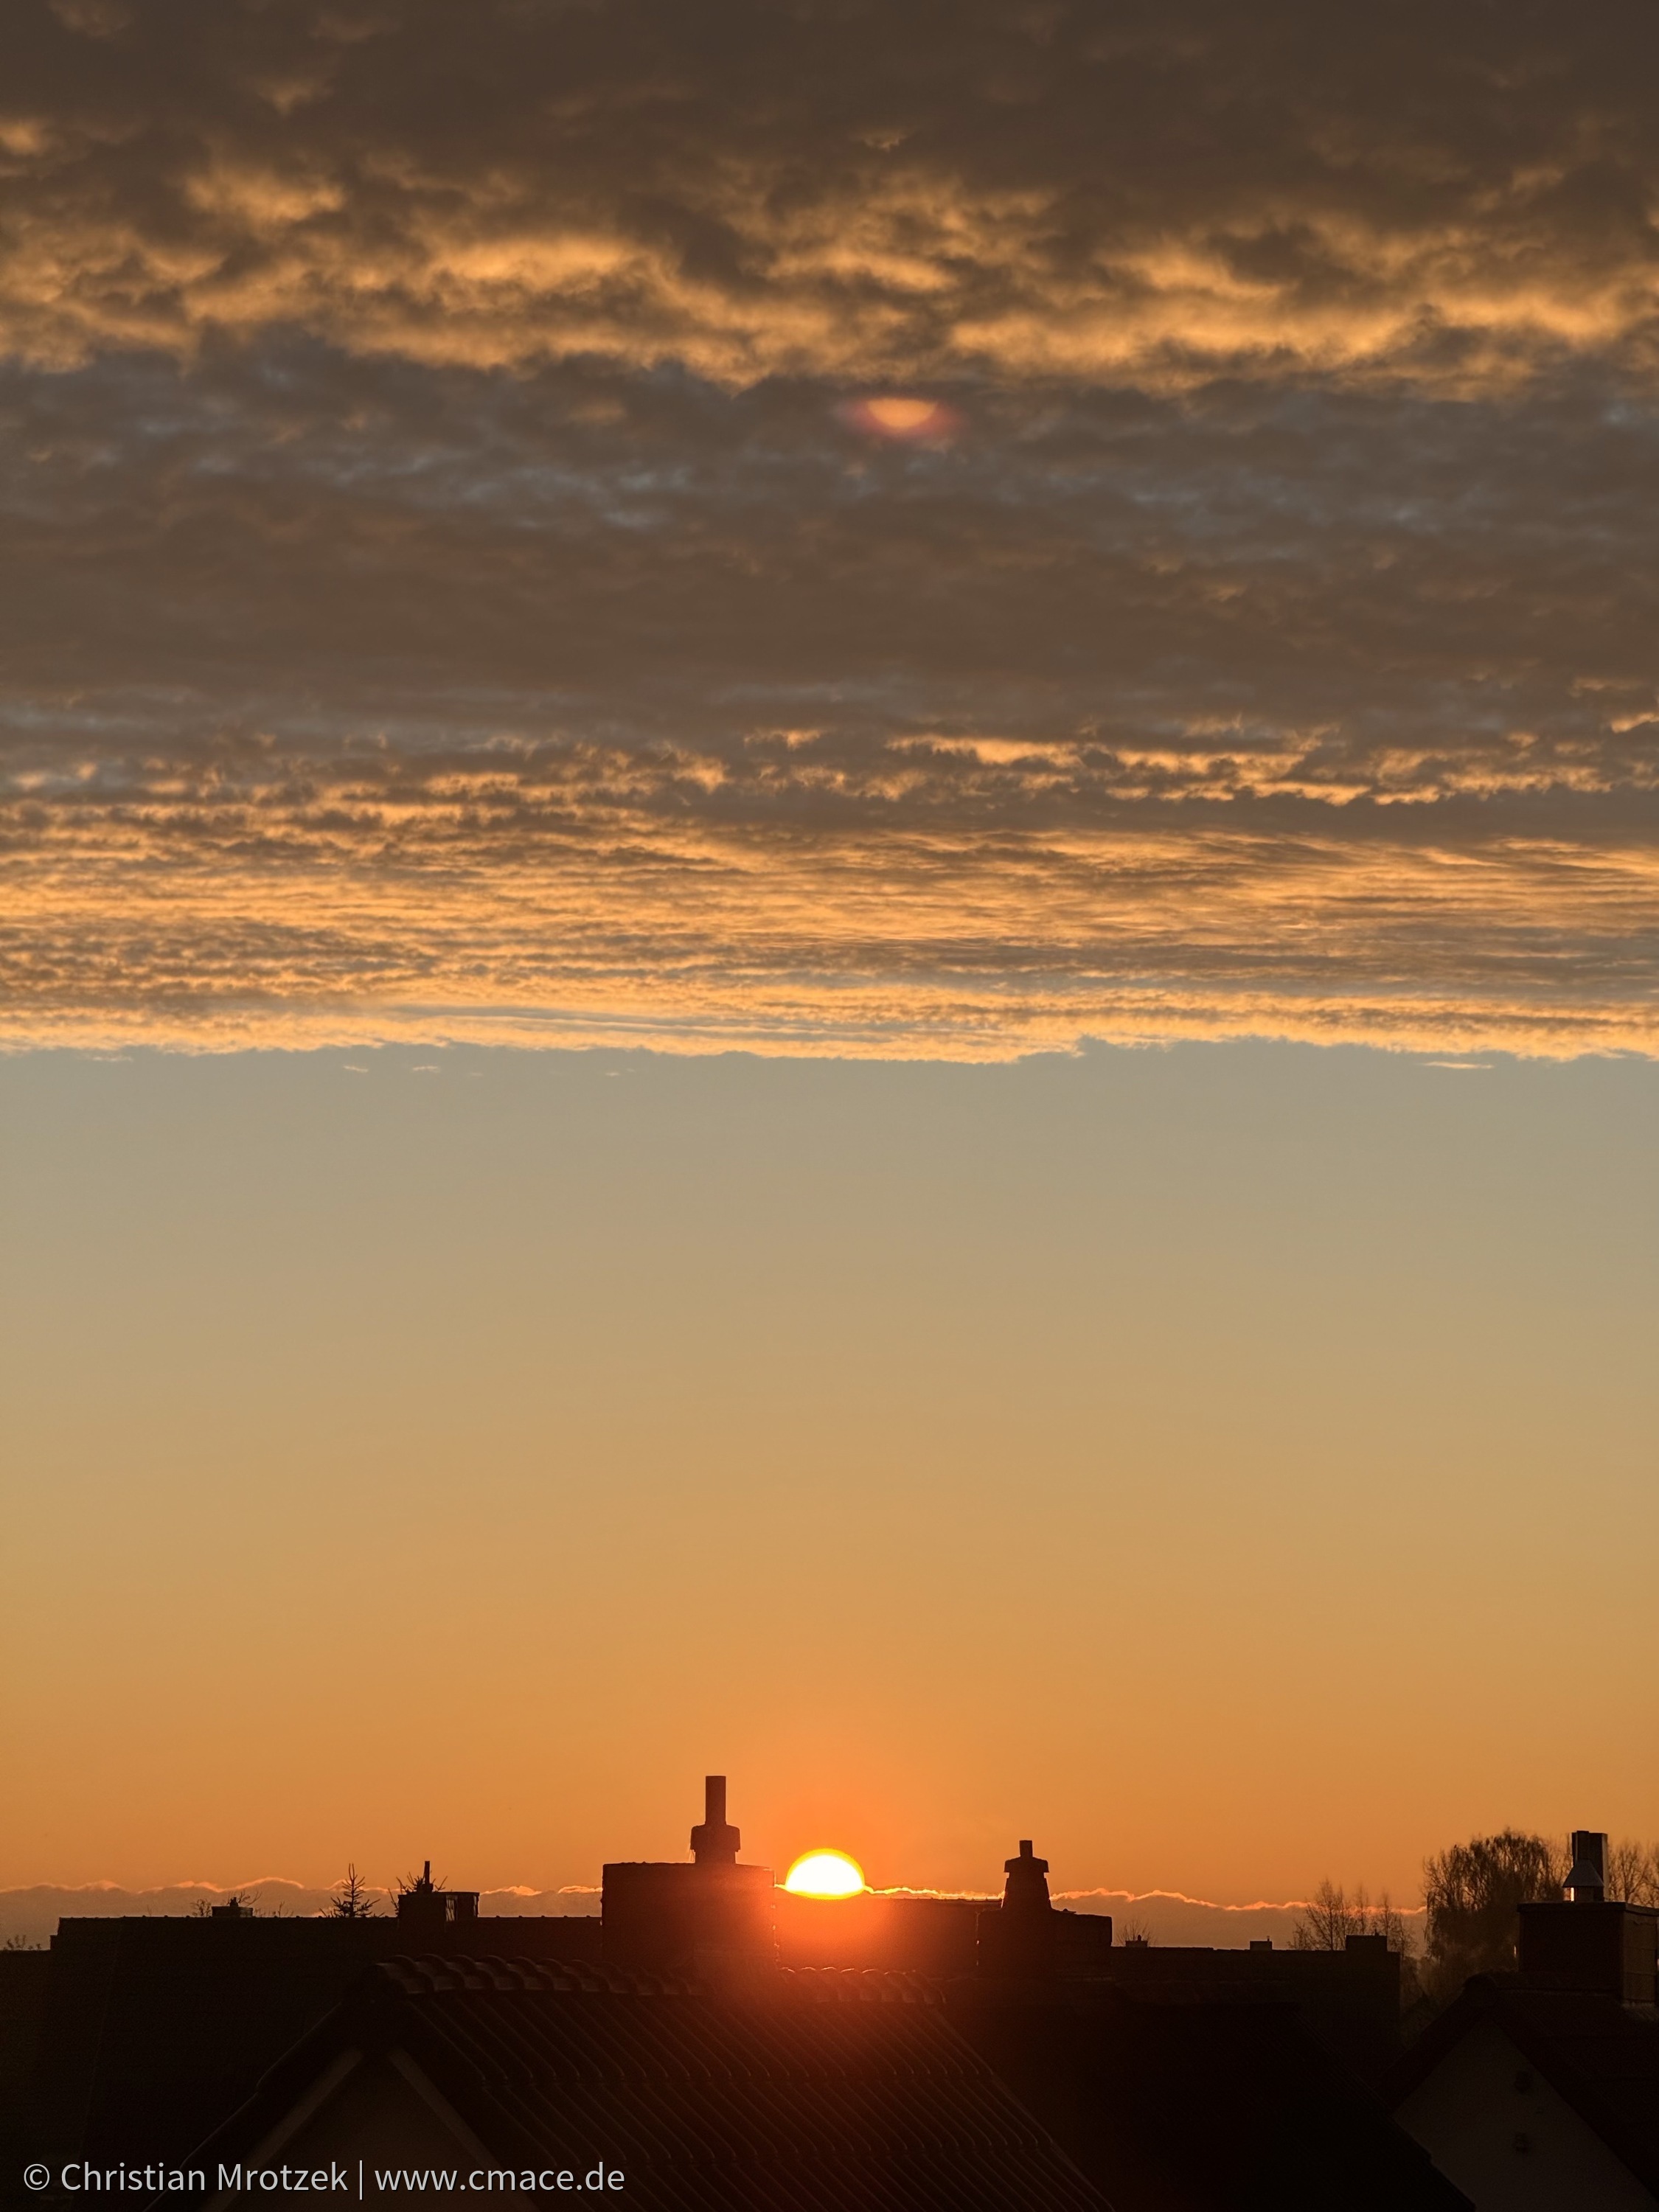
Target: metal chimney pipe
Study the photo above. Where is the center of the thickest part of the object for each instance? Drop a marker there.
(1587, 1884)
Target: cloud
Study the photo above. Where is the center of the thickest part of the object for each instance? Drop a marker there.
(841, 189)
(461, 582)
(33, 1914)
(561, 897)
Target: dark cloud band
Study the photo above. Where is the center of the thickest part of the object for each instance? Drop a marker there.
(1450, 193)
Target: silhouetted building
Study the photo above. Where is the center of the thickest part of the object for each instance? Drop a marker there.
(1153, 2078)
(422, 1905)
(1025, 1938)
(24, 1986)
(712, 1915)
(150, 2030)
(909, 1934)
(1541, 2089)
(1348, 2000)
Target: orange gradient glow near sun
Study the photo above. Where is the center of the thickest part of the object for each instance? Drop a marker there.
(825, 1873)
(902, 415)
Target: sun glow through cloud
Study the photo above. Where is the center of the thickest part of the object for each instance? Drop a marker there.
(897, 415)
(825, 1873)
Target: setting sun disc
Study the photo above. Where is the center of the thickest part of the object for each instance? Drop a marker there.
(825, 1873)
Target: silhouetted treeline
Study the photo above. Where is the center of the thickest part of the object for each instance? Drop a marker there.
(1473, 1892)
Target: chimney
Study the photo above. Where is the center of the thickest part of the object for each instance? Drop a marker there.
(1587, 1882)
(714, 1918)
(1589, 1942)
(1018, 1938)
(715, 1841)
(1025, 1889)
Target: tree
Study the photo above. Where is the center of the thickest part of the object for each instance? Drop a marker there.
(1325, 1923)
(1383, 1919)
(353, 1900)
(1633, 1873)
(1473, 1892)
(1332, 1916)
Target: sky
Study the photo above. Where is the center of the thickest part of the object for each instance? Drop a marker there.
(1228, 1464)
(829, 832)
(454, 585)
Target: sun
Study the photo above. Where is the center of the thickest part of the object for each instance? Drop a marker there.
(825, 1873)
(903, 415)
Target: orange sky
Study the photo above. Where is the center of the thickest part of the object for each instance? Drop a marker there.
(1214, 1462)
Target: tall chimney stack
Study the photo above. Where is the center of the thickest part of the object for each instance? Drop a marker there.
(715, 1841)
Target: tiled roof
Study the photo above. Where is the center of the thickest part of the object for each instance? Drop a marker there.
(1226, 2105)
(860, 1985)
(154, 2030)
(440, 1977)
(431, 1976)
(834, 2091)
(1599, 2054)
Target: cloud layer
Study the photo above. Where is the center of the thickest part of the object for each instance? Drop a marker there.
(838, 187)
(453, 588)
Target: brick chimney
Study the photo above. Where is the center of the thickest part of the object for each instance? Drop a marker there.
(715, 1841)
(1025, 1941)
(1017, 1938)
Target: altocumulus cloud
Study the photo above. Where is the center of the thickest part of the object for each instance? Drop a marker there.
(448, 592)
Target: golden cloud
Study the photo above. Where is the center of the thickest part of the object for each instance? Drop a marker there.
(558, 900)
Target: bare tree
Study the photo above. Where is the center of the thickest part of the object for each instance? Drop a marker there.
(1327, 1922)
(1332, 1916)
(1383, 1919)
(1633, 1873)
